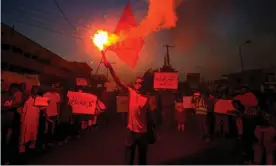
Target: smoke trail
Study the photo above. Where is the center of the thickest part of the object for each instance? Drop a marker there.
(161, 15)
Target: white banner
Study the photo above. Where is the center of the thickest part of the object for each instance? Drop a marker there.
(122, 103)
(81, 82)
(187, 102)
(165, 80)
(82, 103)
(224, 107)
(41, 101)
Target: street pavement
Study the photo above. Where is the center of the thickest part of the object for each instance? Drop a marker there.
(105, 146)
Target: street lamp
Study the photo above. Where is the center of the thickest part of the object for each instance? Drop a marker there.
(240, 52)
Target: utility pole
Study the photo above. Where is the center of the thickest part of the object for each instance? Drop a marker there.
(168, 53)
(107, 70)
(101, 62)
(240, 53)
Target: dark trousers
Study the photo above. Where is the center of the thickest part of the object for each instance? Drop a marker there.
(168, 117)
(63, 131)
(211, 123)
(76, 125)
(201, 121)
(41, 136)
(136, 140)
(5, 144)
(52, 134)
(248, 138)
(10, 147)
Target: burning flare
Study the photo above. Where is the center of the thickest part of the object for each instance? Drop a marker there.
(103, 39)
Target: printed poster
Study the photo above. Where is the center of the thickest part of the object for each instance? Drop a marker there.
(224, 107)
(165, 80)
(187, 102)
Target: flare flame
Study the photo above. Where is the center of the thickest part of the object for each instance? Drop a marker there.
(103, 39)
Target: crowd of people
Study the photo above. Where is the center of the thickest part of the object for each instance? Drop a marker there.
(251, 117)
(27, 128)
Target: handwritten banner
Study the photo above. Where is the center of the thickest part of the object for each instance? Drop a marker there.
(82, 103)
(224, 107)
(165, 80)
(122, 103)
(81, 82)
(187, 102)
(41, 101)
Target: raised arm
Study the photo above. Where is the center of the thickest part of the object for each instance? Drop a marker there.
(114, 75)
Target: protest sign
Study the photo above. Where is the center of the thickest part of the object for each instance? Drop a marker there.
(165, 80)
(110, 86)
(82, 103)
(187, 102)
(81, 82)
(41, 101)
(122, 103)
(224, 107)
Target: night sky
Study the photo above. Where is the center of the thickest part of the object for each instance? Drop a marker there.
(206, 36)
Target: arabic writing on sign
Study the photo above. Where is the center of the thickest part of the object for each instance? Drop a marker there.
(165, 80)
(76, 101)
(82, 103)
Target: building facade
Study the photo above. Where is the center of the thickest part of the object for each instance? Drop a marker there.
(21, 55)
(255, 78)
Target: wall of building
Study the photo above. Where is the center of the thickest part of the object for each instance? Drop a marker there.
(22, 55)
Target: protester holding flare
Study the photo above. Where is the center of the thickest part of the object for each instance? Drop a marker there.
(140, 122)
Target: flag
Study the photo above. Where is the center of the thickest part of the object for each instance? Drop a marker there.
(127, 50)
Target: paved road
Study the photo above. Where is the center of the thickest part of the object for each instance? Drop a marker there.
(105, 146)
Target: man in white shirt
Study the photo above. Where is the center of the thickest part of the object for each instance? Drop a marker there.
(52, 112)
(139, 121)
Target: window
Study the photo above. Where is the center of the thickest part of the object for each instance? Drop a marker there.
(34, 57)
(6, 47)
(17, 50)
(44, 61)
(27, 55)
(18, 69)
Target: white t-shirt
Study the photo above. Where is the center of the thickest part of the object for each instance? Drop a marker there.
(54, 99)
(137, 115)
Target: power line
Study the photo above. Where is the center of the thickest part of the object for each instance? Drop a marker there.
(27, 13)
(24, 16)
(44, 28)
(65, 17)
